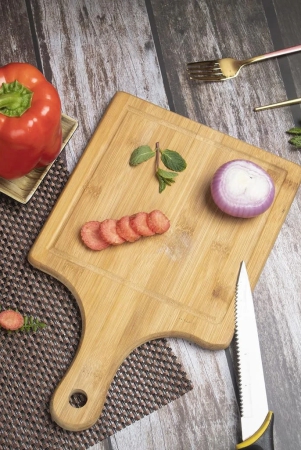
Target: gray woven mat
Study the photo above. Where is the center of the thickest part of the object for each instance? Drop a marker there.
(31, 365)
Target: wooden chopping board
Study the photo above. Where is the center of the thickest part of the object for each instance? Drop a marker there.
(179, 284)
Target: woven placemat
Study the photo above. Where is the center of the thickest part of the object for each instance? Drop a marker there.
(32, 364)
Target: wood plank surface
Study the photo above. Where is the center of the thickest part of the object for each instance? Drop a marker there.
(288, 33)
(89, 50)
(15, 33)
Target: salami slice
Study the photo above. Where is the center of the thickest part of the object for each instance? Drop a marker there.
(125, 231)
(139, 224)
(108, 232)
(158, 222)
(90, 235)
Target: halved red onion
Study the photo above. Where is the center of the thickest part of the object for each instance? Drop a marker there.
(241, 188)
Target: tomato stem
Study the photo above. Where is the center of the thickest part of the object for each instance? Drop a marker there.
(15, 99)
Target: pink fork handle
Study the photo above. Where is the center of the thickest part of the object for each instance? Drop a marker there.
(284, 51)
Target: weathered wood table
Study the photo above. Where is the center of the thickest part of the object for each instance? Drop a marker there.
(89, 50)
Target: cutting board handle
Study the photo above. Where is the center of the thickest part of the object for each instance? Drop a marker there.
(90, 374)
(111, 330)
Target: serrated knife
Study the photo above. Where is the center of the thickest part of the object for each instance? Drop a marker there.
(256, 419)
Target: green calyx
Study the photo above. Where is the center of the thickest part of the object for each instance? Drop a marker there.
(15, 99)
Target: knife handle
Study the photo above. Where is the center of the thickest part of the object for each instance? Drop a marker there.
(263, 438)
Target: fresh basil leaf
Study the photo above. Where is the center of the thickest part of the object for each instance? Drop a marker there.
(167, 175)
(141, 154)
(296, 130)
(173, 160)
(169, 181)
(162, 183)
(165, 178)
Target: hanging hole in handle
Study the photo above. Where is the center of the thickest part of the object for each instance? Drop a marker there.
(78, 399)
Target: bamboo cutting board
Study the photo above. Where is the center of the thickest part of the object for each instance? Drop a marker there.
(181, 283)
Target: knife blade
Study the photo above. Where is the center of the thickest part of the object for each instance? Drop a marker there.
(256, 419)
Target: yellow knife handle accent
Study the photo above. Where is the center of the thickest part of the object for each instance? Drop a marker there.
(263, 438)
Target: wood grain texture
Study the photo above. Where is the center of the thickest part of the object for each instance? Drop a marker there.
(15, 33)
(289, 17)
(277, 297)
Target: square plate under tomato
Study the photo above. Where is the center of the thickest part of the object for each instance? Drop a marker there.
(23, 188)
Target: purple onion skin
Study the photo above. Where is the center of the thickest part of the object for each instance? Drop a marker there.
(231, 192)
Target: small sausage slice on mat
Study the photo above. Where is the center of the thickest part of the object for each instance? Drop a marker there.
(11, 320)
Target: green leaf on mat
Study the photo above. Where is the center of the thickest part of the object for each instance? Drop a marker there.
(296, 130)
(296, 141)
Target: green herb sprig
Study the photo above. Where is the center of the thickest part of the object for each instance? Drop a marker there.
(296, 139)
(32, 324)
(171, 159)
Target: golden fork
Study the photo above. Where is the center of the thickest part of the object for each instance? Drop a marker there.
(226, 68)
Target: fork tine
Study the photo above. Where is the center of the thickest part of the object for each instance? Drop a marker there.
(202, 64)
(207, 78)
(204, 68)
(207, 61)
(205, 71)
(206, 75)
(216, 73)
